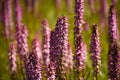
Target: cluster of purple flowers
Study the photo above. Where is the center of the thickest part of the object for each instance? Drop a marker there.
(56, 53)
(95, 49)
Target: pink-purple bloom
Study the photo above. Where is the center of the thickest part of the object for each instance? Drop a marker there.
(12, 60)
(112, 25)
(51, 71)
(18, 12)
(95, 50)
(33, 65)
(59, 46)
(46, 45)
(114, 51)
(22, 46)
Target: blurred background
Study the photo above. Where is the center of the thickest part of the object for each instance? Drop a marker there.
(34, 11)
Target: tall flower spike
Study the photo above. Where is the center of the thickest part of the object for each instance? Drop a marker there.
(22, 46)
(46, 44)
(33, 65)
(18, 12)
(51, 71)
(114, 62)
(95, 50)
(80, 56)
(104, 12)
(12, 60)
(62, 46)
(80, 48)
(112, 23)
(59, 49)
(79, 13)
(114, 51)
(6, 21)
(7, 17)
(70, 57)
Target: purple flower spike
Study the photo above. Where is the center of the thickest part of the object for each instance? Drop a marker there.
(46, 42)
(114, 50)
(112, 23)
(12, 59)
(33, 65)
(95, 50)
(37, 48)
(51, 71)
(79, 11)
(80, 56)
(114, 62)
(70, 57)
(18, 12)
(59, 46)
(22, 46)
(46, 45)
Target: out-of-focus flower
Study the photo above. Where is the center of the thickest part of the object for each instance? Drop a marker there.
(33, 65)
(103, 12)
(7, 13)
(46, 44)
(12, 60)
(114, 1)
(18, 12)
(69, 5)
(58, 4)
(95, 50)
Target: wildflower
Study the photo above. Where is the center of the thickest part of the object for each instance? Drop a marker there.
(70, 57)
(112, 23)
(59, 48)
(12, 59)
(22, 46)
(114, 52)
(18, 13)
(46, 41)
(33, 68)
(7, 17)
(51, 71)
(79, 14)
(114, 62)
(95, 50)
(80, 56)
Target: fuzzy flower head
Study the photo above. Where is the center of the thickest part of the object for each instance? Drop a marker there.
(79, 14)
(112, 23)
(18, 12)
(12, 58)
(33, 68)
(22, 46)
(36, 47)
(59, 45)
(114, 62)
(95, 49)
(46, 42)
(51, 71)
(70, 57)
(80, 57)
